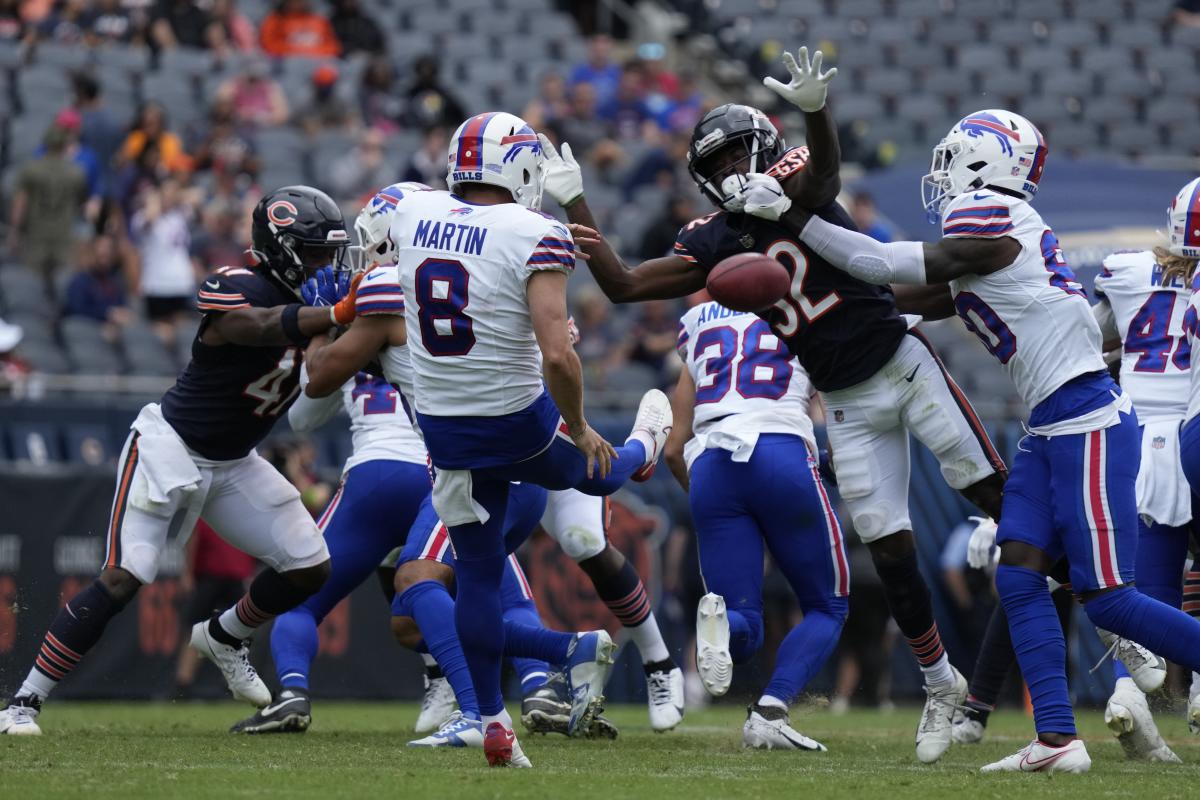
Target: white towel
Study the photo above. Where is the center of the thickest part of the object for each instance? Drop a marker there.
(453, 500)
(163, 461)
(1163, 494)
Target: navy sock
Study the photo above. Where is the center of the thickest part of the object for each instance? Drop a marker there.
(430, 604)
(532, 671)
(625, 595)
(1038, 641)
(805, 649)
(996, 658)
(75, 629)
(294, 642)
(1166, 631)
(909, 601)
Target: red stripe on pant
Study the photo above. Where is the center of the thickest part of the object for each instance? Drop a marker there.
(113, 554)
(1094, 467)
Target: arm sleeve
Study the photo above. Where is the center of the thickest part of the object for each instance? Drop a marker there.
(861, 256)
(310, 413)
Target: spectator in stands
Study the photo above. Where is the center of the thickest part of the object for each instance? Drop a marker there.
(687, 108)
(223, 145)
(46, 207)
(150, 128)
(428, 164)
(429, 102)
(135, 176)
(379, 100)
(664, 162)
(12, 26)
(551, 103)
(326, 109)
(364, 169)
(626, 113)
(586, 132)
(98, 131)
(599, 69)
(653, 336)
(98, 289)
(180, 23)
(357, 32)
(108, 23)
(230, 31)
(659, 239)
(1186, 12)
(598, 338)
(66, 23)
(862, 210)
(68, 120)
(296, 460)
(294, 29)
(161, 230)
(219, 242)
(258, 99)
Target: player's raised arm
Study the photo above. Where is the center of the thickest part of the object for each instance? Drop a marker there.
(656, 279)
(817, 182)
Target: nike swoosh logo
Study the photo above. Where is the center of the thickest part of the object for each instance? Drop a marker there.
(272, 709)
(979, 196)
(212, 284)
(373, 274)
(1045, 761)
(913, 374)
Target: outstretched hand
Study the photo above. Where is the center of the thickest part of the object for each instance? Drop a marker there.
(561, 177)
(808, 86)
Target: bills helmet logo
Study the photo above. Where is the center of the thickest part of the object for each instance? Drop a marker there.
(517, 142)
(990, 125)
(282, 213)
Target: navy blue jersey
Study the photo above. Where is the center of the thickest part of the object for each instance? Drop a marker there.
(842, 330)
(228, 397)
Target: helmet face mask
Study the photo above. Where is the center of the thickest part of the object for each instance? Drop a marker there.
(298, 230)
(729, 142)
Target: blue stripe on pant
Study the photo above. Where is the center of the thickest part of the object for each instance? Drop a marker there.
(375, 506)
(776, 501)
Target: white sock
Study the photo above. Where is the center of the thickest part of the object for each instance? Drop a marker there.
(503, 718)
(768, 700)
(649, 640)
(1127, 683)
(429, 660)
(938, 673)
(37, 685)
(647, 442)
(233, 625)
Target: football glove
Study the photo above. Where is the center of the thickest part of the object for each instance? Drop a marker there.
(345, 309)
(762, 196)
(981, 549)
(325, 288)
(808, 86)
(561, 176)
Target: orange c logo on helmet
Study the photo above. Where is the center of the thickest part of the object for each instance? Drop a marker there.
(282, 219)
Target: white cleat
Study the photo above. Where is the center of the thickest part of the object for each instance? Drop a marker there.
(457, 732)
(664, 692)
(654, 422)
(234, 663)
(589, 661)
(1193, 708)
(501, 748)
(436, 706)
(1128, 716)
(20, 718)
(935, 730)
(1039, 757)
(965, 730)
(1148, 671)
(775, 734)
(713, 660)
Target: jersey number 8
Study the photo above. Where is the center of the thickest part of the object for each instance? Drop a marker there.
(442, 297)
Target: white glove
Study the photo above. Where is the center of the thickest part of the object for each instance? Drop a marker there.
(561, 176)
(762, 196)
(809, 85)
(981, 550)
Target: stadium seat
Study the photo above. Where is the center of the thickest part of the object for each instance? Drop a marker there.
(61, 56)
(185, 61)
(1142, 35)
(1111, 12)
(1133, 138)
(887, 83)
(920, 59)
(44, 355)
(1077, 34)
(37, 443)
(1172, 112)
(87, 443)
(144, 351)
(953, 31)
(86, 347)
(1067, 84)
(1050, 60)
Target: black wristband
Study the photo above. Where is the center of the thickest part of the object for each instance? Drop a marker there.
(290, 320)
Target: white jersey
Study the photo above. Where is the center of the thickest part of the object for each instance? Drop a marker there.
(1191, 328)
(463, 269)
(1148, 316)
(747, 382)
(1031, 315)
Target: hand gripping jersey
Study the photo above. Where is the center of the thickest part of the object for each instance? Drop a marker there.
(228, 396)
(1191, 329)
(842, 330)
(463, 269)
(747, 383)
(1031, 315)
(1149, 317)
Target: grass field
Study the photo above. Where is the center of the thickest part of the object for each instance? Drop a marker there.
(99, 750)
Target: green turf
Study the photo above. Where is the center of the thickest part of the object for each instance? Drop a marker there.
(357, 750)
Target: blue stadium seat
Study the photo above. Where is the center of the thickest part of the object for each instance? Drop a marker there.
(35, 442)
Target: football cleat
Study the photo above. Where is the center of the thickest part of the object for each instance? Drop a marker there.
(290, 712)
(654, 422)
(767, 728)
(20, 718)
(234, 663)
(1040, 757)
(436, 706)
(588, 662)
(545, 711)
(459, 731)
(664, 693)
(936, 727)
(965, 730)
(1193, 707)
(501, 748)
(713, 660)
(1148, 671)
(1128, 716)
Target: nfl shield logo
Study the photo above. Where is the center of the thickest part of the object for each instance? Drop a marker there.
(1158, 442)
(838, 416)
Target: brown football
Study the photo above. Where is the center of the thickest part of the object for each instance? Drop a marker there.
(748, 282)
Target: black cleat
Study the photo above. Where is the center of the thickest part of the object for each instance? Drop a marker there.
(545, 711)
(289, 712)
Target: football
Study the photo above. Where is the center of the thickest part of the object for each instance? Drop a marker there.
(748, 282)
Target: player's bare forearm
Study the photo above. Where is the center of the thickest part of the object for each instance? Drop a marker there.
(683, 407)
(564, 381)
(953, 258)
(932, 302)
(657, 279)
(820, 181)
(263, 327)
(331, 362)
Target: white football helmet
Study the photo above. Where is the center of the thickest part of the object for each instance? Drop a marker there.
(374, 222)
(1183, 228)
(992, 147)
(501, 150)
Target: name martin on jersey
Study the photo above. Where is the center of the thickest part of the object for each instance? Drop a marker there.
(438, 235)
